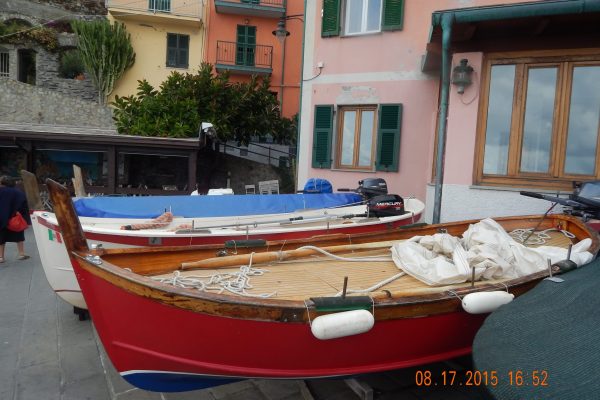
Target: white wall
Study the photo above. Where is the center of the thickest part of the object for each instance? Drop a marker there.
(460, 202)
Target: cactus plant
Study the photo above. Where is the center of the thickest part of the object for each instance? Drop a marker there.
(106, 52)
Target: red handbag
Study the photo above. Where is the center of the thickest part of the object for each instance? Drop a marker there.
(17, 223)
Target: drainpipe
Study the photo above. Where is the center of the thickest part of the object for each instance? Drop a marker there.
(446, 24)
(282, 73)
(300, 100)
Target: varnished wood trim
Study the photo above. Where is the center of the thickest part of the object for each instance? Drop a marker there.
(556, 178)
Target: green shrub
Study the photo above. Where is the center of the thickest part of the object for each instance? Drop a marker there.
(71, 64)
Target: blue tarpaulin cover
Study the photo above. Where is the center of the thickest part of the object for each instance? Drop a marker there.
(318, 185)
(208, 206)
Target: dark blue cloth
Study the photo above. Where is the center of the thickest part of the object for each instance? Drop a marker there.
(208, 206)
(11, 200)
(318, 185)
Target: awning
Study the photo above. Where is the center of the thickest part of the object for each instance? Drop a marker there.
(537, 25)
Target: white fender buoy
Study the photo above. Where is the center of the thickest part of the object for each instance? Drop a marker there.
(485, 302)
(346, 323)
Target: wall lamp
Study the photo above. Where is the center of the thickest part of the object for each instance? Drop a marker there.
(281, 33)
(461, 75)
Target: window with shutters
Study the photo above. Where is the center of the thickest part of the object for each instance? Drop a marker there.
(367, 137)
(356, 137)
(360, 17)
(540, 121)
(177, 50)
(245, 45)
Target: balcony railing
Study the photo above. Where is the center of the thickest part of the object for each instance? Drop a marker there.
(259, 8)
(245, 58)
(175, 8)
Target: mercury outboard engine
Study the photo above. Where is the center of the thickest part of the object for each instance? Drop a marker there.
(379, 202)
(386, 205)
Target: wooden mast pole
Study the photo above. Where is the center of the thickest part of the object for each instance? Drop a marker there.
(66, 216)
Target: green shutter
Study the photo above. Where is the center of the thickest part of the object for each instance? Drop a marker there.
(388, 137)
(393, 15)
(184, 45)
(330, 26)
(245, 45)
(322, 133)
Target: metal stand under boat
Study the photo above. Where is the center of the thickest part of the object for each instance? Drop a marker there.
(485, 302)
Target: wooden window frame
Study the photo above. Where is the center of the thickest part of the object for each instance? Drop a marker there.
(555, 178)
(356, 148)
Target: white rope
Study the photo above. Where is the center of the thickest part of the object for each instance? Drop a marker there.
(350, 259)
(537, 238)
(374, 287)
(234, 282)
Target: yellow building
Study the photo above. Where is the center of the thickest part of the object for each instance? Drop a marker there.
(166, 35)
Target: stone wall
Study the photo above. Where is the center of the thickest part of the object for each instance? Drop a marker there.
(46, 72)
(81, 6)
(47, 62)
(51, 9)
(47, 76)
(23, 103)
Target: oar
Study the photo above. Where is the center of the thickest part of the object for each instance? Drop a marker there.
(291, 220)
(264, 257)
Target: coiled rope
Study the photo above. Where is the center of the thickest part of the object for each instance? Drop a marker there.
(234, 282)
(536, 238)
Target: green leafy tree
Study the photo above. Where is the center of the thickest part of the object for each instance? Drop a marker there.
(106, 52)
(238, 111)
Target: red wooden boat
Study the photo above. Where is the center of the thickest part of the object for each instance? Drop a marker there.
(163, 337)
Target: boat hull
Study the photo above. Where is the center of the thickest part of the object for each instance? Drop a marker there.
(59, 272)
(163, 348)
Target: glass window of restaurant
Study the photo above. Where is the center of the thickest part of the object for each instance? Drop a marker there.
(12, 160)
(152, 171)
(57, 164)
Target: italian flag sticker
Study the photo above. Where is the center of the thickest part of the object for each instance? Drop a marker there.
(54, 236)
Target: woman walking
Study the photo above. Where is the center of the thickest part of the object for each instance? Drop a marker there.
(11, 201)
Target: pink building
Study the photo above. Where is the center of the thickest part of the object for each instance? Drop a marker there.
(378, 99)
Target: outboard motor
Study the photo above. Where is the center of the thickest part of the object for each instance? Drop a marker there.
(386, 205)
(379, 203)
(372, 187)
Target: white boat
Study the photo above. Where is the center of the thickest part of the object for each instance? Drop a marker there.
(213, 232)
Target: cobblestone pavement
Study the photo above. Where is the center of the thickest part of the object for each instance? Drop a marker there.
(47, 353)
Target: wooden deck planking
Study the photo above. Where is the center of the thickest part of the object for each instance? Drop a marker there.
(323, 276)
